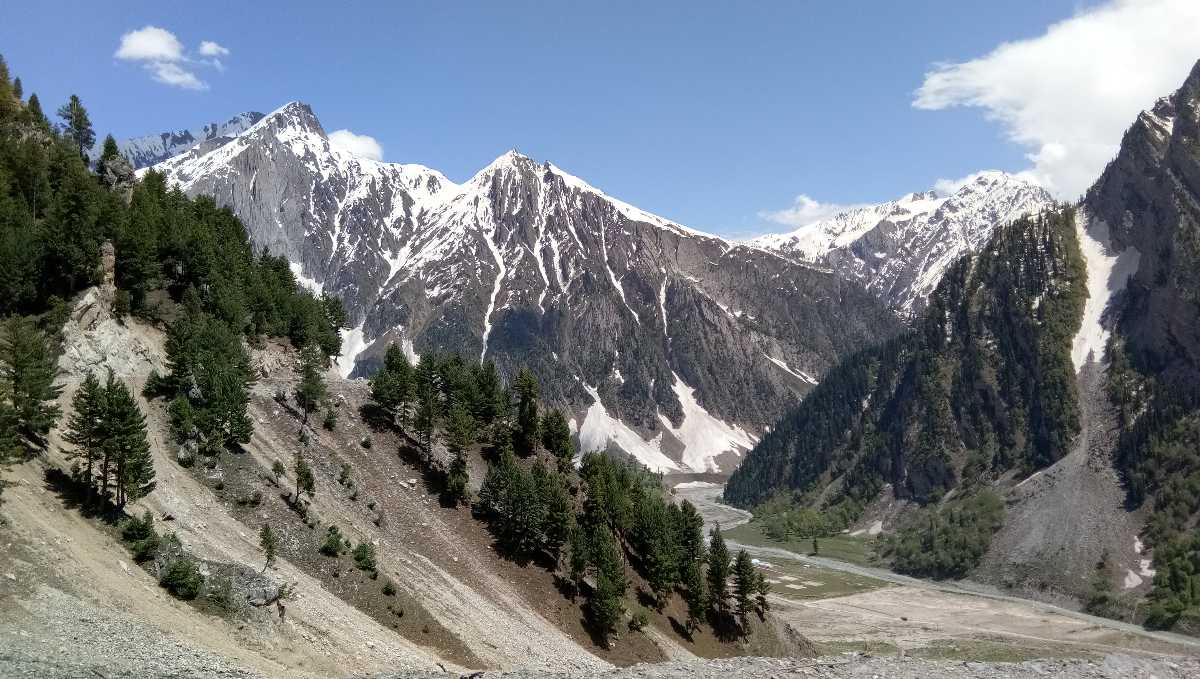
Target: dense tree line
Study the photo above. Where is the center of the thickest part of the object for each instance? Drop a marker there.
(947, 541)
(981, 384)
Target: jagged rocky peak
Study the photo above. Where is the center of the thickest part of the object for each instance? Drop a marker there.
(900, 249)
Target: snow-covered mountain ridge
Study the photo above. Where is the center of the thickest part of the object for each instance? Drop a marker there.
(675, 346)
(151, 149)
(901, 248)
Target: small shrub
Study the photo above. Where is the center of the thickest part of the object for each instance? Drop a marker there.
(182, 579)
(330, 421)
(366, 442)
(364, 556)
(280, 396)
(344, 474)
(639, 621)
(333, 542)
(354, 495)
(388, 588)
(142, 538)
(253, 499)
(278, 469)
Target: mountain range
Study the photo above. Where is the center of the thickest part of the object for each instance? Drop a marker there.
(672, 345)
(900, 249)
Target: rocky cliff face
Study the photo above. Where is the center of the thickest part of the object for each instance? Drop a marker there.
(672, 345)
(1148, 198)
(901, 249)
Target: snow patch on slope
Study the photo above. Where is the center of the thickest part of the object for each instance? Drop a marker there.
(599, 428)
(703, 436)
(798, 374)
(1106, 274)
(310, 283)
(353, 344)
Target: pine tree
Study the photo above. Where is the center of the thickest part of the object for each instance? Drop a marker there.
(109, 151)
(460, 432)
(312, 390)
(526, 431)
(762, 588)
(125, 443)
(745, 587)
(33, 109)
(17, 89)
(85, 427)
(718, 571)
(488, 405)
(268, 544)
(696, 595)
(655, 538)
(428, 400)
(556, 436)
(77, 126)
(605, 604)
(305, 481)
(392, 385)
(559, 514)
(28, 370)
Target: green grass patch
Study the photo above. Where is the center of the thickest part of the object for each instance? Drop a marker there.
(982, 650)
(853, 549)
(801, 581)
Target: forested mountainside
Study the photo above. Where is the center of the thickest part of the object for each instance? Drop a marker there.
(672, 345)
(983, 391)
(1149, 199)
(901, 249)
(981, 385)
(183, 261)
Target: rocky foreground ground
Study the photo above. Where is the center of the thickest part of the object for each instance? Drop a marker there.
(859, 667)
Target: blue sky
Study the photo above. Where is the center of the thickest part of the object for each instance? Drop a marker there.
(711, 114)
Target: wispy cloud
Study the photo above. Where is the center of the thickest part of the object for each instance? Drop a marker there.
(806, 210)
(1068, 94)
(162, 55)
(360, 145)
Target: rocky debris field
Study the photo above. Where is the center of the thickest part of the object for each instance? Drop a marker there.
(863, 667)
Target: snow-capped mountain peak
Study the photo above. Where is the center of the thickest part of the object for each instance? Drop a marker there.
(900, 249)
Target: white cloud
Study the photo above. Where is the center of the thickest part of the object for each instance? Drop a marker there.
(161, 53)
(359, 145)
(1069, 94)
(169, 73)
(209, 48)
(805, 210)
(150, 44)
